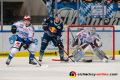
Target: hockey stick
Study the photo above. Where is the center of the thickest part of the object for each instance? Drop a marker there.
(28, 49)
(63, 49)
(72, 34)
(79, 51)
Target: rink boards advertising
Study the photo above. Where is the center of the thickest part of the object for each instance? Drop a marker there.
(7, 40)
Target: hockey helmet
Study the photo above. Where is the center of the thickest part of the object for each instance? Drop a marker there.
(92, 30)
(26, 17)
(58, 15)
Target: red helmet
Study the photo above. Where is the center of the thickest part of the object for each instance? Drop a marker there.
(26, 17)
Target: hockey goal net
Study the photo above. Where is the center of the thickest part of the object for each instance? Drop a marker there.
(106, 33)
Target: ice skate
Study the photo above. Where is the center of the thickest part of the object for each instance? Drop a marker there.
(8, 61)
(63, 59)
(32, 62)
(40, 58)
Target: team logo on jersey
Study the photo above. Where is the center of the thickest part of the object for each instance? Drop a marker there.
(21, 24)
(72, 74)
(53, 29)
(89, 38)
(58, 27)
(51, 21)
(25, 30)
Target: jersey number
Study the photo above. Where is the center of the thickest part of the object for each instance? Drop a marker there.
(24, 34)
(79, 35)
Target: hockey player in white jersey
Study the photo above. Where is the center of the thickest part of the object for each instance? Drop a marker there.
(26, 34)
(88, 40)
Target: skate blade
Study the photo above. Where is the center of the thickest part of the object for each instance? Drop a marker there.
(42, 66)
(31, 65)
(64, 61)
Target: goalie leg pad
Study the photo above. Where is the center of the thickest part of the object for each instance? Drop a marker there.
(105, 60)
(82, 51)
(99, 53)
(84, 48)
(77, 55)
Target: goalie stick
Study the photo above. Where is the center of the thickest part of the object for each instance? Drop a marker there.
(79, 51)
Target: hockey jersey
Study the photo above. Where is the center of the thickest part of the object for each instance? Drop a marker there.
(25, 33)
(85, 37)
(54, 30)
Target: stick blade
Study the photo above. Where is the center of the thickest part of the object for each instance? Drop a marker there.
(87, 60)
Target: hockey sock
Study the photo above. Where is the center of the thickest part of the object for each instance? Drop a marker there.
(10, 57)
(41, 52)
(61, 53)
(31, 56)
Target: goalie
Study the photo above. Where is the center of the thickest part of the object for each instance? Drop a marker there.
(88, 40)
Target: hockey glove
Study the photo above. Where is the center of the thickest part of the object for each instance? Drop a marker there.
(59, 42)
(13, 30)
(26, 46)
(45, 26)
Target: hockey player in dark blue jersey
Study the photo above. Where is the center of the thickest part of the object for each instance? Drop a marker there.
(52, 32)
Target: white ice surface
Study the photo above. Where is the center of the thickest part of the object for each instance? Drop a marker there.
(19, 70)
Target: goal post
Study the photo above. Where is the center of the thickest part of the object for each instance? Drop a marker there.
(105, 29)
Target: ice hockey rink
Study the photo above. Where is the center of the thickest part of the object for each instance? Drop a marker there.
(19, 69)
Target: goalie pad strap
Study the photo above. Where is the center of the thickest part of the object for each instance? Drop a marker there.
(84, 46)
(92, 46)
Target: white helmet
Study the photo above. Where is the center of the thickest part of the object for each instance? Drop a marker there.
(92, 30)
(26, 17)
